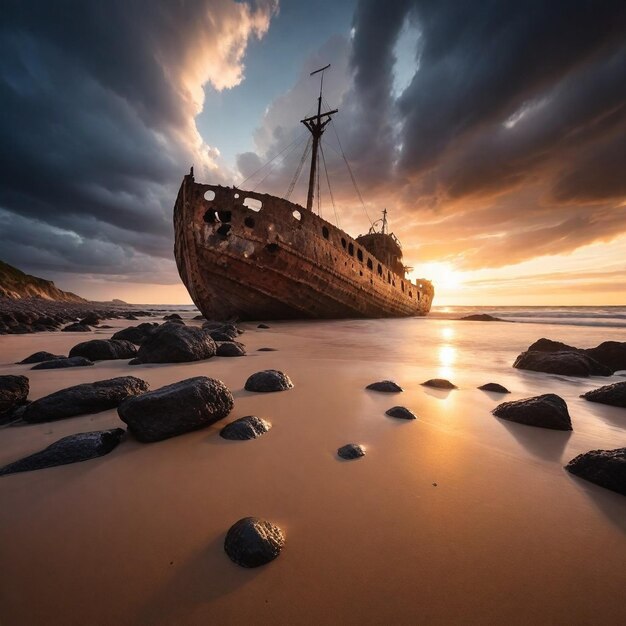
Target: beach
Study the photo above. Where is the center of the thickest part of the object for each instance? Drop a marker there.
(456, 517)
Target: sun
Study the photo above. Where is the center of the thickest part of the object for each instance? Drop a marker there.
(442, 275)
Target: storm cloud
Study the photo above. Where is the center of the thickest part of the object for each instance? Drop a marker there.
(98, 125)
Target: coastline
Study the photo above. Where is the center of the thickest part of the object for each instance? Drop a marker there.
(506, 535)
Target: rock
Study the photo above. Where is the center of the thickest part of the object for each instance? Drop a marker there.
(76, 328)
(176, 409)
(401, 412)
(262, 326)
(13, 393)
(172, 316)
(218, 335)
(91, 319)
(351, 451)
(267, 350)
(606, 468)
(547, 345)
(248, 427)
(136, 334)
(199, 317)
(40, 357)
(494, 387)
(268, 380)
(481, 317)
(71, 449)
(224, 332)
(610, 353)
(546, 411)
(439, 383)
(174, 343)
(565, 363)
(131, 317)
(386, 386)
(74, 361)
(104, 349)
(86, 398)
(251, 542)
(230, 348)
(614, 395)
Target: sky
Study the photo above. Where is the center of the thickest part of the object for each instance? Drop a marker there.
(494, 133)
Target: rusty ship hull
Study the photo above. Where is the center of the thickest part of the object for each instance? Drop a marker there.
(254, 256)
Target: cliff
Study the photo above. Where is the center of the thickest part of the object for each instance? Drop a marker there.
(15, 284)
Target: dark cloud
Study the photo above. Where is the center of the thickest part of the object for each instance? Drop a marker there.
(97, 126)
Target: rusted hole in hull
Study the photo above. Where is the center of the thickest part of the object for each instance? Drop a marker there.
(253, 204)
(249, 222)
(370, 265)
(359, 255)
(297, 215)
(351, 249)
(209, 195)
(224, 230)
(325, 232)
(272, 247)
(224, 216)
(210, 217)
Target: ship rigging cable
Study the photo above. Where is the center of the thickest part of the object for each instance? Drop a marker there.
(269, 171)
(296, 176)
(330, 191)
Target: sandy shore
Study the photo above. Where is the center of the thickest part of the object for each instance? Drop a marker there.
(456, 518)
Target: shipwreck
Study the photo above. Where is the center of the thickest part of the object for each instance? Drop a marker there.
(254, 256)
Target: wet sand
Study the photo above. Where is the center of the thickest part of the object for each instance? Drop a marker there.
(457, 517)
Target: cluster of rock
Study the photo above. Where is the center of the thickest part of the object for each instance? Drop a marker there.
(555, 357)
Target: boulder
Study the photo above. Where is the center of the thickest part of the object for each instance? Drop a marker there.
(104, 349)
(547, 345)
(564, 362)
(267, 350)
(13, 393)
(86, 398)
(136, 334)
(175, 343)
(267, 381)
(198, 317)
(606, 468)
(439, 383)
(176, 409)
(610, 353)
(91, 319)
(494, 388)
(40, 357)
(546, 411)
(230, 348)
(248, 427)
(480, 317)
(76, 328)
(351, 451)
(401, 412)
(74, 361)
(130, 316)
(251, 542)
(172, 316)
(614, 395)
(385, 386)
(71, 449)
(262, 326)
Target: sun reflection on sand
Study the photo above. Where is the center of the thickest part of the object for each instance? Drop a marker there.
(447, 332)
(447, 358)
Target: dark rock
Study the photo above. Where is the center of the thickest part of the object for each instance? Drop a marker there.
(90, 319)
(268, 380)
(262, 326)
(494, 387)
(547, 345)
(173, 343)
(177, 321)
(267, 350)
(86, 398)
(176, 409)
(481, 317)
(224, 332)
(230, 348)
(212, 325)
(71, 449)
(218, 335)
(351, 451)
(565, 363)
(610, 353)
(546, 411)
(74, 361)
(76, 328)
(606, 468)
(386, 386)
(251, 542)
(131, 317)
(104, 349)
(136, 334)
(249, 427)
(172, 316)
(198, 317)
(439, 383)
(401, 412)
(40, 357)
(13, 393)
(614, 395)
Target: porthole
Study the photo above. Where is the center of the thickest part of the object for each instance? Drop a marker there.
(297, 215)
(253, 204)
(249, 222)
(380, 269)
(209, 195)
(325, 232)
(351, 249)
(359, 254)
(343, 243)
(370, 265)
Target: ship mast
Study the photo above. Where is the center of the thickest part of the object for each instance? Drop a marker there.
(316, 127)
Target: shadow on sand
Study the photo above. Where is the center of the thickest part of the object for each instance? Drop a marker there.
(545, 443)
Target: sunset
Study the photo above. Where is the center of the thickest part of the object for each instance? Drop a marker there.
(312, 312)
